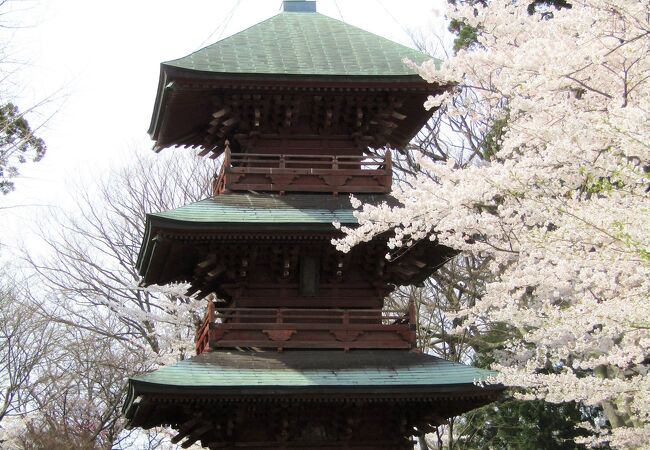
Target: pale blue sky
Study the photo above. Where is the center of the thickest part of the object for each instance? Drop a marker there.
(102, 61)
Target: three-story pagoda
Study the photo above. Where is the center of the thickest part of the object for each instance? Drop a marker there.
(296, 350)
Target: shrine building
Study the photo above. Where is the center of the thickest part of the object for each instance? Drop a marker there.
(296, 349)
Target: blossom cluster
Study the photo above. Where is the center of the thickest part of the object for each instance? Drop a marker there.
(562, 210)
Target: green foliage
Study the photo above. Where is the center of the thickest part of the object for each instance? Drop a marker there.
(537, 5)
(525, 425)
(601, 185)
(634, 244)
(18, 144)
(518, 424)
(491, 142)
(467, 36)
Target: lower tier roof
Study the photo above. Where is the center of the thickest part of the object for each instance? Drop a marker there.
(231, 373)
(232, 398)
(214, 384)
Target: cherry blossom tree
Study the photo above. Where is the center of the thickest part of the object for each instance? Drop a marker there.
(561, 210)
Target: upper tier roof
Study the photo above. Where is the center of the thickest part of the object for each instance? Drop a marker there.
(303, 44)
(302, 62)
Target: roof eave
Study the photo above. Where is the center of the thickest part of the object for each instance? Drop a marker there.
(138, 387)
(172, 78)
(177, 72)
(145, 249)
(156, 225)
(159, 104)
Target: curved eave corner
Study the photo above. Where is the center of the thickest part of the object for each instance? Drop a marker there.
(144, 255)
(164, 88)
(130, 403)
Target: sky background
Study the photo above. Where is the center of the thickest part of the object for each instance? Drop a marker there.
(97, 63)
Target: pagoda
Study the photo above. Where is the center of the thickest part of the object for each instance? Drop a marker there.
(296, 349)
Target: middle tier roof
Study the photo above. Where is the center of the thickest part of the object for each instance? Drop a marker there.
(177, 242)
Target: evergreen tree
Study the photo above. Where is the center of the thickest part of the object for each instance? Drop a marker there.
(467, 35)
(18, 145)
(524, 425)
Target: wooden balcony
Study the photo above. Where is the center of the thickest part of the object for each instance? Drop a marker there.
(283, 328)
(304, 173)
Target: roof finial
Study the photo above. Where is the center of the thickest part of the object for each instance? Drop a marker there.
(299, 6)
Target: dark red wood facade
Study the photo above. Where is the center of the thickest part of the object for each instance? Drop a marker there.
(273, 172)
(284, 116)
(285, 328)
(299, 422)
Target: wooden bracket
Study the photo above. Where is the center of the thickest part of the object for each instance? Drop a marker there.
(279, 335)
(217, 333)
(346, 335)
(407, 335)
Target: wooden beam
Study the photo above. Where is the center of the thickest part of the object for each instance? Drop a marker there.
(328, 118)
(185, 429)
(359, 117)
(227, 126)
(417, 262)
(196, 435)
(214, 273)
(257, 116)
(401, 270)
(230, 122)
(388, 124)
(205, 264)
(221, 113)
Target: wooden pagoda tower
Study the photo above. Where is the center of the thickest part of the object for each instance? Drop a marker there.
(296, 350)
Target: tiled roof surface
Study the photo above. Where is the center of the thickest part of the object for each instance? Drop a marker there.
(313, 368)
(303, 44)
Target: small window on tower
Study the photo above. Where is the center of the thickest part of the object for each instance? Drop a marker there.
(309, 271)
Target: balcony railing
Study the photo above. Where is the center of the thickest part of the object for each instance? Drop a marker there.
(282, 328)
(305, 173)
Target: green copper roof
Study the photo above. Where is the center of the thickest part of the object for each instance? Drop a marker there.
(254, 212)
(270, 208)
(313, 369)
(303, 44)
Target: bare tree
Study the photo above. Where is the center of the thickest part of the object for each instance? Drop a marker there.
(25, 339)
(81, 406)
(25, 343)
(465, 138)
(89, 284)
(452, 288)
(92, 251)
